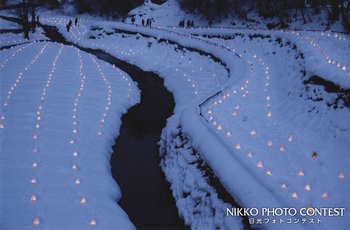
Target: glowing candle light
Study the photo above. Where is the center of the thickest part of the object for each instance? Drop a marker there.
(290, 138)
(269, 114)
(259, 164)
(74, 167)
(310, 208)
(269, 173)
(269, 142)
(228, 134)
(219, 127)
(294, 195)
(253, 132)
(250, 155)
(77, 181)
(75, 153)
(234, 114)
(301, 173)
(36, 221)
(238, 146)
(282, 148)
(83, 200)
(93, 222)
(324, 195)
(35, 150)
(34, 164)
(33, 181)
(307, 187)
(341, 176)
(33, 198)
(283, 186)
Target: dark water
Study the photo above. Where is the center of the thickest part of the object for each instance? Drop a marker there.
(146, 196)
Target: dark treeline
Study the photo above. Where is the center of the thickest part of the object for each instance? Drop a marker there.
(112, 8)
(107, 7)
(281, 9)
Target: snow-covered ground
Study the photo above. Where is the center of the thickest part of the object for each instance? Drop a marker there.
(170, 14)
(4, 24)
(61, 111)
(272, 139)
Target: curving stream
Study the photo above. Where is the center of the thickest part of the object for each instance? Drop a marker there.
(146, 196)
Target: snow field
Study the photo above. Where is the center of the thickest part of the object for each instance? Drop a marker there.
(257, 116)
(61, 111)
(258, 123)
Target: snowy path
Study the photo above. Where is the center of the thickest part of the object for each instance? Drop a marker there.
(61, 112)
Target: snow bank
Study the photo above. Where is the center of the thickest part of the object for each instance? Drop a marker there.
(195, 197)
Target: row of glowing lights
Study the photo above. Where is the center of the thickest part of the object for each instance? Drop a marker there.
(106, 82)
(39, 116)
(341, 175)
(109, 95)
(186, 76)
(329, 59)
(77, 181)
(335, 35)
(12, 41)
(14, 54)
(18, 80)
(191, 82)
(266, 68)
(338, 36)
(108, 86)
